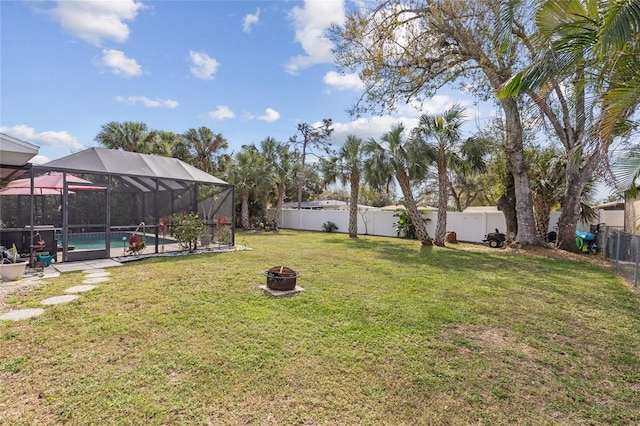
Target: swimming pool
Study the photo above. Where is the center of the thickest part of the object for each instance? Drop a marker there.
(96, 240)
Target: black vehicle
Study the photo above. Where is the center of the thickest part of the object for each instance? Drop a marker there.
(495, 239)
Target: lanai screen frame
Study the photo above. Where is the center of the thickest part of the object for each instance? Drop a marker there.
(150, 188)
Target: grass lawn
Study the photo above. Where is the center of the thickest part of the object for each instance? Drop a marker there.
(384, 333)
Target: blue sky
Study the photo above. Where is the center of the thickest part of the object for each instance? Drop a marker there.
(245, 69)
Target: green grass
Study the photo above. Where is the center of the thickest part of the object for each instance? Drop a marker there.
(384, 333)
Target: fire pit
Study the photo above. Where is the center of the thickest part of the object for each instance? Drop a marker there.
(281, 278)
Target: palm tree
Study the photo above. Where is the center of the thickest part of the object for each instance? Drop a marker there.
(162, 143)
(127, 136)
(467, 168)
(444, 133)
(249, 170)
(403, 159)
(547, 172)
(347, 166)
(627, 171)
(285, 165)
(179, 148)
(588, 62)
(206, 147)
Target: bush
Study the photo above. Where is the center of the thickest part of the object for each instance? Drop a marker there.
(404, 226)
(329, 226)
(188, 229)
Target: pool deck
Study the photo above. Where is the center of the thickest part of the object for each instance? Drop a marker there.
(119, 256)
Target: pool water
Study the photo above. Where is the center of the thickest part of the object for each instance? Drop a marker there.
(92, 241)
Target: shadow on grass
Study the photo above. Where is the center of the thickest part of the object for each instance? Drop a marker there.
(444, 258)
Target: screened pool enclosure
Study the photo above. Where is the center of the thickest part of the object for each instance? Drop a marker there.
(87, 205)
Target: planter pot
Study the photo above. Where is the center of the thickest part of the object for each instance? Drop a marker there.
(12, 271)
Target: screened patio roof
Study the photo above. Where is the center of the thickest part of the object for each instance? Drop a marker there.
(123, 163)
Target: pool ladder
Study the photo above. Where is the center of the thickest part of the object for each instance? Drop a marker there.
(138, 228)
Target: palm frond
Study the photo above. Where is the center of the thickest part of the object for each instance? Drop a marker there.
(621, 24)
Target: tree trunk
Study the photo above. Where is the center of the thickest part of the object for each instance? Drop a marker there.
(301, 180)
(570, 203)
(416, 217)
(456, 197)
(443, 199)
(353, 206)
(300, 186)
(515, 159)
(570, 212)
(507, 205)
(542, 210)
(282, 189)
(244, 210)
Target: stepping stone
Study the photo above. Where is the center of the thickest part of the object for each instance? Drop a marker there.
(79, 289)
(280, 293)
(95, 271)
(56, 300)
(97, 274)
(21, 314)
(95, 280)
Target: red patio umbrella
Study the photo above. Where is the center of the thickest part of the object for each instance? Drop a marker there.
(47, 184)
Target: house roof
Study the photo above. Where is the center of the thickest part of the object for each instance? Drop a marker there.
(124, 163)
(15, 152)
(14, 155)
(480, 209)
(324, 204)
(614, 205)
(400, 207)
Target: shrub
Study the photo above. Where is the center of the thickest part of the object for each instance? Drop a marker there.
(404, 226)
(329, 226)
(188, 229)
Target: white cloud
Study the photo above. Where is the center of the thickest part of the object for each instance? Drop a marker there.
(120, 64)
(408, 115)
(149, 103)
(49, 137)
(433, 105)
(249, 20)
(366, 128)
(343, 81)
(203, 66)
(310, 23)
(269, 115)
(40, 159)
(222, 112)
(94, 21)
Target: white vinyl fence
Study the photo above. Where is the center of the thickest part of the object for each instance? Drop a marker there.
(471, 227)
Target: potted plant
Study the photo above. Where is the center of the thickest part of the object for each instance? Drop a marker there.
(11, 266)
(136, 244)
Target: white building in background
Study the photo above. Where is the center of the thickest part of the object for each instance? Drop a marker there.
(324, 205)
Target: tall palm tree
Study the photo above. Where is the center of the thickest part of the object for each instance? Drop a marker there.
(206, 147)
(442, 133)
(126, 136)
(347, 166)
(285, 165)
(404, 159)
(248, 172)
